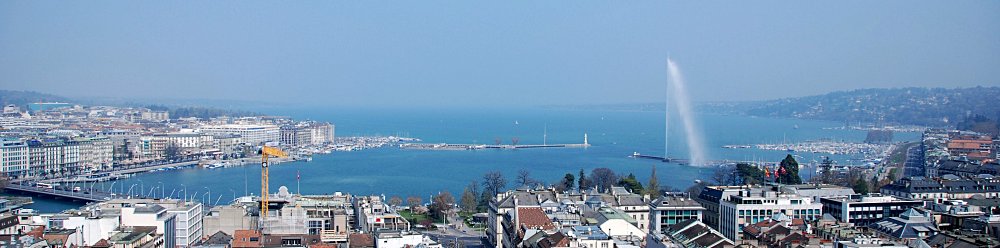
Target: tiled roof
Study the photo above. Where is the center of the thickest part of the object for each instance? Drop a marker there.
(241, 238)
(360, 240)
(534, 218)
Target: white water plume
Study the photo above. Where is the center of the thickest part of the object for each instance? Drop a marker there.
(677, 94)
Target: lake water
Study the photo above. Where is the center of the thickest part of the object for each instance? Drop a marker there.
(391, 171)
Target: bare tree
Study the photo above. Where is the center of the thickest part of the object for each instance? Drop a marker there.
(603, 178)
(413, 201)
(653, 187)
(395, 201)
(441, 204)
(493, 183)
(524, 177)
(469, 202)
(722, 175)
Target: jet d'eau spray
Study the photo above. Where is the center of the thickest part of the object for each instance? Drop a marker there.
(677, 95)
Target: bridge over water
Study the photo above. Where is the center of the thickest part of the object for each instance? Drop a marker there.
(87, 196)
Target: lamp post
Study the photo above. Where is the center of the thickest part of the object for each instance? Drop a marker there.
(130, 190)
(209, 193)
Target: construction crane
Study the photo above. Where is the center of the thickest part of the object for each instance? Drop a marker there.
(265, 153)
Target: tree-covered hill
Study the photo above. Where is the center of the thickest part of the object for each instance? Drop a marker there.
(936, 107)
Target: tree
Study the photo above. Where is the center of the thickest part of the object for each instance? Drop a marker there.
(395, 201)
(861, 186)
(4, 182)
(790, 175)
(493, 183)
(441, 204)
(630, 183)
(748, 174)
(566, 183)
(695, 189)
(653, 187)
(603, 178)
(469, 202)
(172, 151)
(524, 178)
(413, 201)
(722, 175)
(583, 183)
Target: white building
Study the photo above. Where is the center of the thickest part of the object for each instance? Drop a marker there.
(96, 152)
(250, 133)
(155, 115)
(190, 224)
(13, 157)
(756, 204)
(402, 239)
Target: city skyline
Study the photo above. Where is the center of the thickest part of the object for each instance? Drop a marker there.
(412, 54)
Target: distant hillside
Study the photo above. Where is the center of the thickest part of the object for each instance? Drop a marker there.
(22, 98)
(935, 107)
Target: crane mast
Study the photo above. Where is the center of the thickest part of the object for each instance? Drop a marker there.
(265, 153)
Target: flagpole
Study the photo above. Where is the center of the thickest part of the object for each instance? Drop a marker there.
(298, 185)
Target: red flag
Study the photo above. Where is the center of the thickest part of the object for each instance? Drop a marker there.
(783, 170)
(767, 173)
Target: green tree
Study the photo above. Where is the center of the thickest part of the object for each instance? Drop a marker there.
(860, 186)
(567, 182)
(749, 174)
(791, 173)
(630, 183)
(583, 184)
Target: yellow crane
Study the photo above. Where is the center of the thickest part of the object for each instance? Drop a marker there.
(265, 153)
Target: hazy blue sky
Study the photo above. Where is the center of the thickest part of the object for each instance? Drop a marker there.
(501, 52)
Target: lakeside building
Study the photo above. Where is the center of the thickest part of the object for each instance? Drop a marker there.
(49, 157)
(306, 134)
(862, 210)
(14, 162)
(920, 188)
(672, 208)
(96, 153)
(255, 134)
